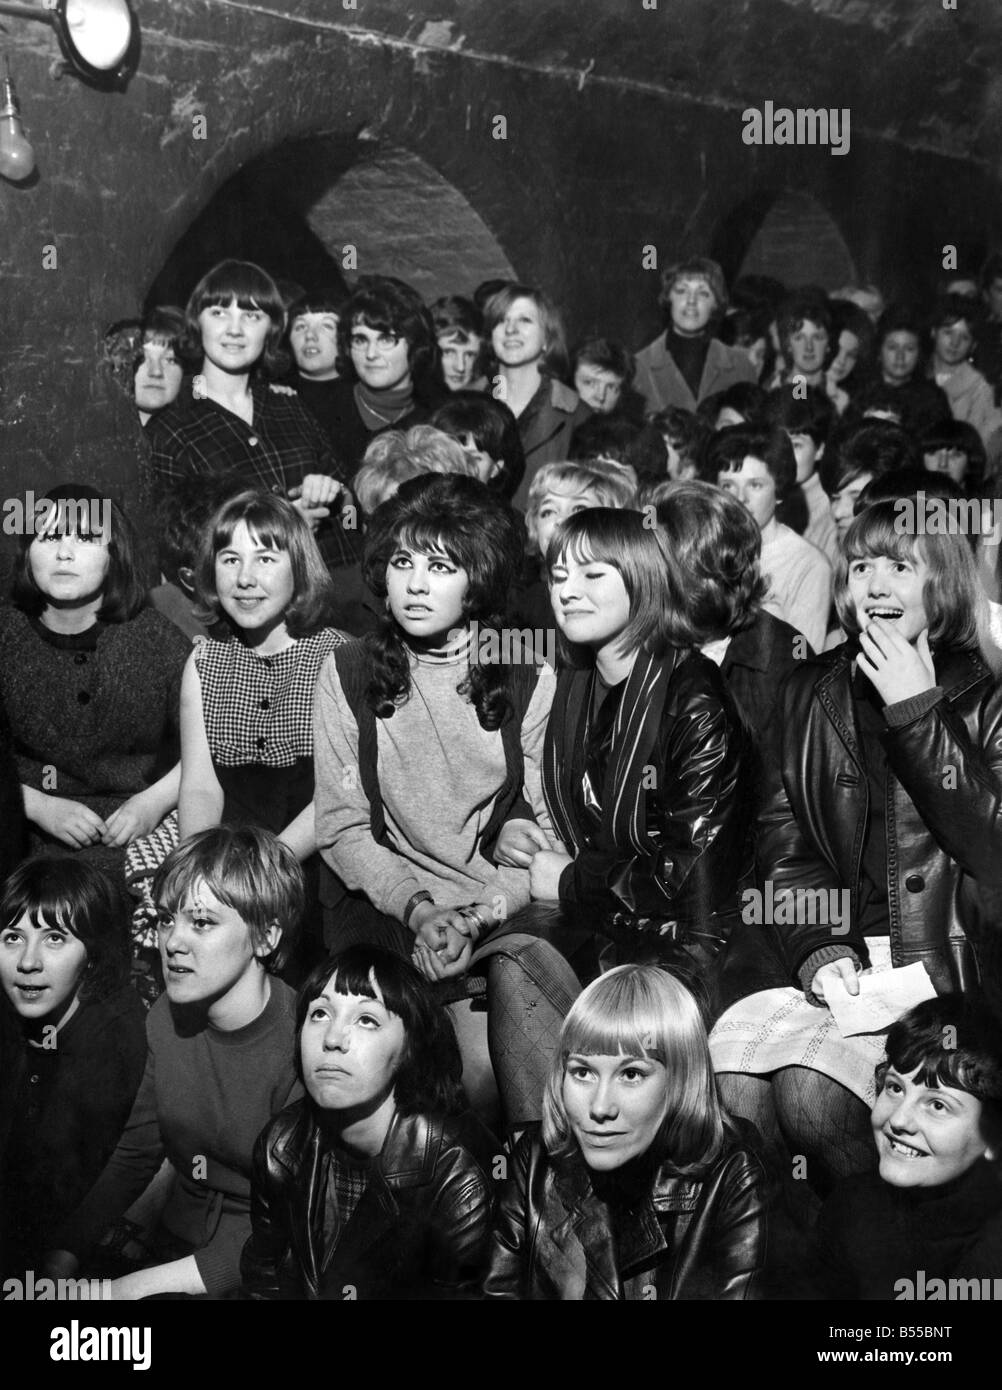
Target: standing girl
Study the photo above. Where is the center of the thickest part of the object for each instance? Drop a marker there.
(233, 423)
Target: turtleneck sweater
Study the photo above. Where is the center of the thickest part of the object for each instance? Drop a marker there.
(872, 1236)
(440, 773)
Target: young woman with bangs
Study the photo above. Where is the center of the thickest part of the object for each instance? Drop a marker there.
(378, 1181)
(72, 1045)
(428, 740)
(90, 679)
(247, 701)
(647, 769)
(232, 422)
(935, 1203)
(639, 1186)
(886, 796)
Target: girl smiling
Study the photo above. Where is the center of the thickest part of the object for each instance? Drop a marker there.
(888, 784)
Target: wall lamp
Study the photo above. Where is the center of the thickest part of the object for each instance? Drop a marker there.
(97, 37)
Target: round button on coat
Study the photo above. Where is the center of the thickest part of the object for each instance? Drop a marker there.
(915, 883)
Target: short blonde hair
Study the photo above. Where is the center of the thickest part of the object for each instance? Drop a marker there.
(394, 456)
(614, 485)
(642, 1011)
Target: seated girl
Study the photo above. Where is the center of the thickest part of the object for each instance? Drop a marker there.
(647, 769)
(933, 1211)
(72, 1045)
(246, 701)
(712, 549)
(219, 1065)
(883, 807)
(428, 740)
(90, 678)
(376, 1185)
(640, 1185)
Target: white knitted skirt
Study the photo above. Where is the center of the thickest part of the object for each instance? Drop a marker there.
(777, 1028)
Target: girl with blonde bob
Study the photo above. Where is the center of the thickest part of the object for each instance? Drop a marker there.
(884, 805)
(664, 1192)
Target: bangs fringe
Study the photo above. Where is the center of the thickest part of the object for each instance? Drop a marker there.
(873, 536)
(607, 1033)
(426, 538)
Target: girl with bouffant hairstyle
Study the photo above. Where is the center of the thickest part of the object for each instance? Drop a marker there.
(712, 550)
(460, 519)
(631, 1121)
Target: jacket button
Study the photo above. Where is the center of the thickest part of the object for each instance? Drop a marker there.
(80, 659)
(915, 883)
(83, 697)
(260, 742)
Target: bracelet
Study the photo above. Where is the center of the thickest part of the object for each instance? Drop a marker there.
(421, 896)
(472, 913)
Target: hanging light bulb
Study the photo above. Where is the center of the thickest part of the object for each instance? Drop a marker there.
(17, 158)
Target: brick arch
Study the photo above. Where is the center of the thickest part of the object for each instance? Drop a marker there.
(307, 207)
(774, 229)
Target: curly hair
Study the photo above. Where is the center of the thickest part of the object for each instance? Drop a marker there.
(713, 550)
(62, 890)
(460, 517)
(429, 1079)
(389, 305)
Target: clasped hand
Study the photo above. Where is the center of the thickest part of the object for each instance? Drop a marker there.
(315, 496)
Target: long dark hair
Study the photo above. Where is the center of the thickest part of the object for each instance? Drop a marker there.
(460, 516)
(429, 1080)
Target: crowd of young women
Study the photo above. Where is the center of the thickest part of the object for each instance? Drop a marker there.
(541, 1048)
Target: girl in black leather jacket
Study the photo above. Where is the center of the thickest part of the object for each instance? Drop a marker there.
(882, 831)
(647, 763)
(640, 1186)
(376, 1185)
